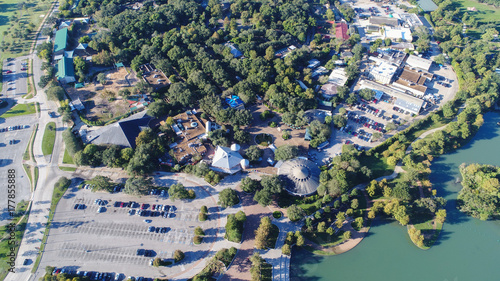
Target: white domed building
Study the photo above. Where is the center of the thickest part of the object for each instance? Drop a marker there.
(302, 176)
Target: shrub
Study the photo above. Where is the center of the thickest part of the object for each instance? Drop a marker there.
(286, 250)
(199, 231)
(178, 255)
(62, 183)
(197, 239)
(204, 209)
(234, 226)
(202, 217)
(277, 214)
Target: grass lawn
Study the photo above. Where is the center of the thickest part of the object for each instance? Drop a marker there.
(378, 166)
(324, 239)
(31, 14)
(36, 177)
(49, 136)
(67, 159)
(20, 109)
(67, 169)
(484, 13)
(28, 172)
(426, 228)
(56, 196)
(5, 232)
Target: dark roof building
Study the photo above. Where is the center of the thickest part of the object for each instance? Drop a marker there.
(384, 21)
(302, 176)
(122, 133)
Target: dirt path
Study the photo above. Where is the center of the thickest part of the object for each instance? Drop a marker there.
(240, 268)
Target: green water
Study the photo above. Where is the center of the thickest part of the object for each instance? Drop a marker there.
(468, 249)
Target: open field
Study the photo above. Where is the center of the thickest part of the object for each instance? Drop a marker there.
(484, 13)
(20, 109)
(28, 18)
(67, 159)
(102, 102)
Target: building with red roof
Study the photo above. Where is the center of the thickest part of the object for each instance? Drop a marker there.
(341, 30)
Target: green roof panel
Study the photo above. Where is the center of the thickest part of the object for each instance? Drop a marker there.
(61, 40)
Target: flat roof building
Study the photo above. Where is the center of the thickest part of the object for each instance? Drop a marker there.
(419, 62)
(395, 58)
(397, 33)
(384, 21)
(383, 72)
(403, 100)
(338, 76)
(328, 90)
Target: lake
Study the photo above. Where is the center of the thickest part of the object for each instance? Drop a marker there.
(467, 249)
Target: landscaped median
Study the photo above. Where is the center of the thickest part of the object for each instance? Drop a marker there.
(17, 227)
(59, 189)
(49, 137)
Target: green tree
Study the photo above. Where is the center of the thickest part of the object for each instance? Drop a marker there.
(262, 233)
(158, 109)
(228, 198)
(178, 255)
(138, 186)
(347, 235)
(295, 213)
(253, 153)
(199, 231)
(354, 204)
(249, 185)
(55, 93)
(286, 152)
(263, 197)
(285, 250)
(101, 78)
(101, 183)
(178, 191)
(321, 227)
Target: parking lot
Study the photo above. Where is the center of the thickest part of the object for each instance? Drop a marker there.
(13, 144)
(119, 240)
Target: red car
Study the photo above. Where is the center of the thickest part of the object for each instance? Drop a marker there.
(152, 208)
(122, 205)
(24, 68)
(8, 71)
(143, 206)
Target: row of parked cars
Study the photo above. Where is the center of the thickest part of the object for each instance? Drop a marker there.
(13, 128)
(92, 275)
(158, 229)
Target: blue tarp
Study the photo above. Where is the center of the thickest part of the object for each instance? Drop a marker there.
(234, 101)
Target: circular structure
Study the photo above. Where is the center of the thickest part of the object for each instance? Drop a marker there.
(302, 174)
(235, 147)
(244, 163)
(263, 139)
(194, 124)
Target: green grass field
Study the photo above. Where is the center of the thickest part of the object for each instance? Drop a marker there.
(67, 169)
(67, 159)
(31, 15)
(20, 109)
(49, 136)
(484, 13)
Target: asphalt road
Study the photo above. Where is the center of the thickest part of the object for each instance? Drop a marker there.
(49, 173)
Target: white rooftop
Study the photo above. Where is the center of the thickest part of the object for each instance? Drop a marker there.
(338, 77)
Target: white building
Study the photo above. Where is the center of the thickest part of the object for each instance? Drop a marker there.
(338, 77)
(419, 62)
(397, 33)
(402, 99)
(383, 72)
(227, 160)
